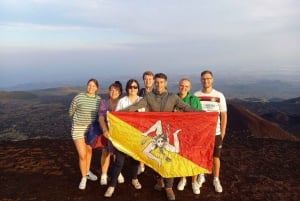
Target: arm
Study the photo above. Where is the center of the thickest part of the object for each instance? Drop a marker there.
(223, 115)
(196, 103)
(103, 126)
(185, 107)
(141, 104)
(223, 119)
(72, 108)
(103, 108)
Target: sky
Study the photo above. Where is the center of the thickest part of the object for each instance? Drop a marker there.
(55, 40)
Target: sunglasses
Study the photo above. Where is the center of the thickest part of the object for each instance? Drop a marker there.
(132, 87)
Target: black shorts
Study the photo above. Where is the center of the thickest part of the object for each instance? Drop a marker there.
(218, 146)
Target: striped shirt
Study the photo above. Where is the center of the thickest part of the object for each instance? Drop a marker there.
(84, 109)
(213, 102)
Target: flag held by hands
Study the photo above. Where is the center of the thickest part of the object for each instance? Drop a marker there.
(174, 144)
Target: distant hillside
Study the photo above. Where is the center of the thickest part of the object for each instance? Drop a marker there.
(20, 95)
(285, 113)
(232, 87)
(244, 123)
(44, 114)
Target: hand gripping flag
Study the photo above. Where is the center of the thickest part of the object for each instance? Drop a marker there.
(174, 144)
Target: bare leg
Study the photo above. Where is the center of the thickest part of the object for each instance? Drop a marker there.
(82, 154)
(105, 160)
(216, 166)
(89, 152)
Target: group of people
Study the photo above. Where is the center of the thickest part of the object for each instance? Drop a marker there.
(87, 107)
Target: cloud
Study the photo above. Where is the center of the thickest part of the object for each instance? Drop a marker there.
(166, 34)
(18, 26)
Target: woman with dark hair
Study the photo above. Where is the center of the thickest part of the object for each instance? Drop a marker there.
(83, 111)
(107, 105)
(132, 88)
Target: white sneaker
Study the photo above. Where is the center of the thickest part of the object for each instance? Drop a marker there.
(103, 179)
(82, 184)
(110, 190)
(121, 179)
(136, 184)
(196, 188)
(141, 169)
(91, 176)
(217, 185)
(201, 179)
(181, 184)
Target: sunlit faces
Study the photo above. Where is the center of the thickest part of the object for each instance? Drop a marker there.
(148, 81)
(114, 93)
(91, 88)
(184, 87)
(207, 80)
(160, 85)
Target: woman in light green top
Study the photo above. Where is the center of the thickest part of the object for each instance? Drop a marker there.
(83, 111)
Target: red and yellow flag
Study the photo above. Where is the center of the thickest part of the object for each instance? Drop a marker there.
(174, 144)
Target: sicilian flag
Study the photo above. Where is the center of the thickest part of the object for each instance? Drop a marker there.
(174, 144)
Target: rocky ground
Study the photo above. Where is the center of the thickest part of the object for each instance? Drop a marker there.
(252, 170)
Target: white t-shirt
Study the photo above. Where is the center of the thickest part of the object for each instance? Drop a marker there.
(125, 102)
(213, 102)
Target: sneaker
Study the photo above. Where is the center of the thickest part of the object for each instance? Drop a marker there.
(110, 190)
(196, 188)
(103, 179)
(181, 184)
(82, 184)
(201, 179)
(217, 185)
(159, 186)
(91, 176)
(141, 169)
(136, 184)
(170, 194)
(121, 179)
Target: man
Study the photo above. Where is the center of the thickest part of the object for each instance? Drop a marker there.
(184, 87)
(148, 78)
(160, 100)
(213, 100)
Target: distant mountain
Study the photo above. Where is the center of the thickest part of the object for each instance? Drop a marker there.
(285, 113)
(236, 87)
(44, 114)
(244, 123)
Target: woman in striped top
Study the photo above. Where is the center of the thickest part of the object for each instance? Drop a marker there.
(83, 111)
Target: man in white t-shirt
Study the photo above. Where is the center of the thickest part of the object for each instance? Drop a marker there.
(213, 101)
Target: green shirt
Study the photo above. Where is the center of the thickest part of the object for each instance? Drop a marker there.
(192, 100)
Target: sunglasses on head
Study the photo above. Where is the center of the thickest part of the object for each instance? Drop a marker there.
(132, 87)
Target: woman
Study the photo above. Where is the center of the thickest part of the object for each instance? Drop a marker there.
(83, 111)
(115, 92)
(132, 88)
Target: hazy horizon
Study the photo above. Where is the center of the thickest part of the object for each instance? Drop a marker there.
(48, 41)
